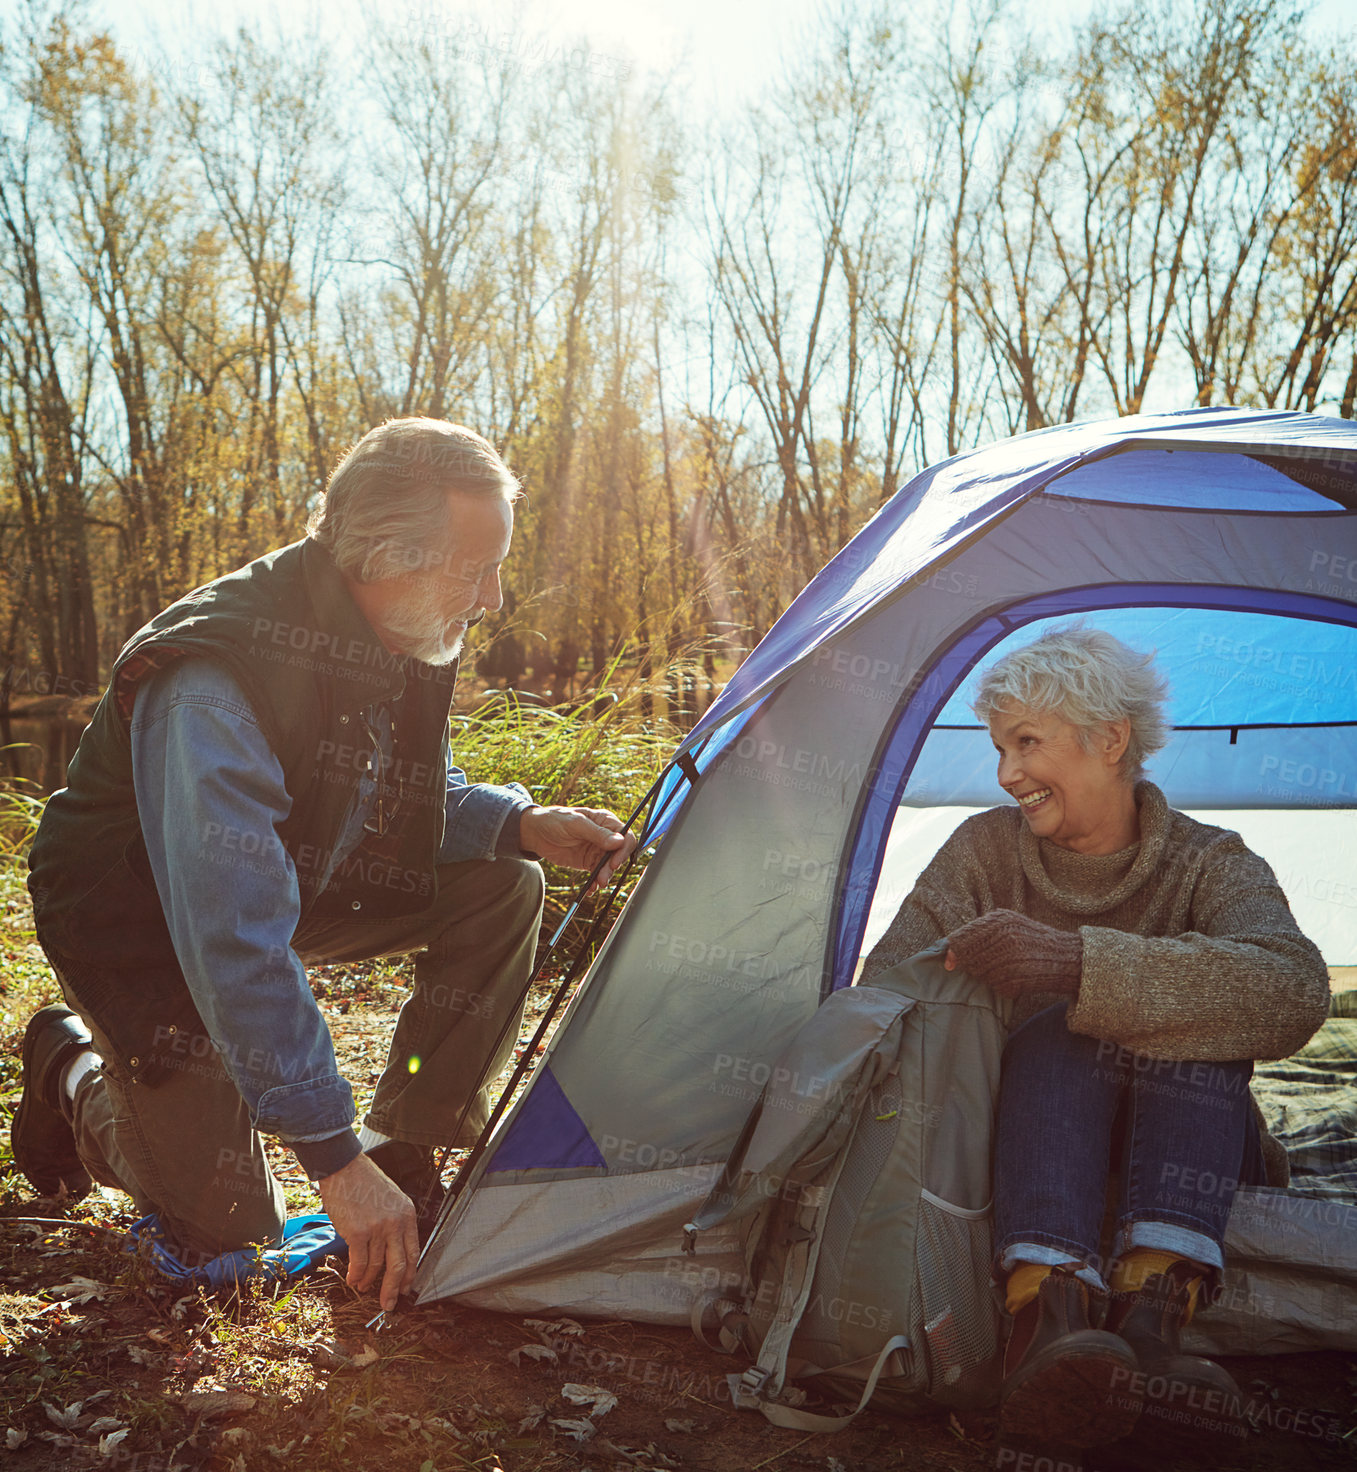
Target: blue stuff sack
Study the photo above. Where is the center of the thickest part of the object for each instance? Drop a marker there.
(307, 1242)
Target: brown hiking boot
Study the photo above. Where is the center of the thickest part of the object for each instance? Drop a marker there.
(41, 1137)
(1066, 1382)
(1188, 1398)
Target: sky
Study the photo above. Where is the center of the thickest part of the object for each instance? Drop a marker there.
(719, 47)
(723, 50)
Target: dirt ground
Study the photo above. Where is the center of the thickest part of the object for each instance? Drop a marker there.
(105, 1364)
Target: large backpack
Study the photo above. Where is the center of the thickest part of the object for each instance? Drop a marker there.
(862, 1178)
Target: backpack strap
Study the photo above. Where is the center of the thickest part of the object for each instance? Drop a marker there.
(786, 1163)
(804, 1235)
(745, 1392)
(726, 1311)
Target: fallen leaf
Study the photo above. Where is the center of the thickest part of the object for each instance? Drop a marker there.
(69, 1418)
(576, 1430)
(108, 1445)
(397, 1421)
(80, 1290)
(532, 1352)
(679, 1427)
(532, 1420)
(599, 1401)
(210, 1403)
(14, 1438)
(649, 1453)
(160, 1336)
(140, 1356)
(625, 1453)
(365, 1357)
(102, 1426)
(554, 1326)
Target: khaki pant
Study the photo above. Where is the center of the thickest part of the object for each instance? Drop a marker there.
(185, 1147)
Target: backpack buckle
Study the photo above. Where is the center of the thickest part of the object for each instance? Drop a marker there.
(746, 1391)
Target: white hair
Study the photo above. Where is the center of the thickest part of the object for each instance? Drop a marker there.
(386, 508)
(1089, 678)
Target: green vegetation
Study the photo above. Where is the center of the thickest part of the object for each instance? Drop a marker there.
(597, 756)
(26, 981)
(20, 808)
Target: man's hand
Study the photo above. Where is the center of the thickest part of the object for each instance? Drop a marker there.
(377, 1219)
(1013, 954)
(577, 838)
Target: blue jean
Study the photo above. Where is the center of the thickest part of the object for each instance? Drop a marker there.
(1069, 1104)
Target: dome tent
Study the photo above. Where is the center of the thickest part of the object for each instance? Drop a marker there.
(1206, 533)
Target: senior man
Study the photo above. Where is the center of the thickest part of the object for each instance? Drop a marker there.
(267, 782)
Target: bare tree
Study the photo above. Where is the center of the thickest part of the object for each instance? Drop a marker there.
(261, 122)
(1313, 311)
(445, 103)
(1250, 197)
(46, 370)
(791, 249)
(1171, 82)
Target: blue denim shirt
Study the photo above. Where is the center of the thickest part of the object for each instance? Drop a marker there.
(210, 797)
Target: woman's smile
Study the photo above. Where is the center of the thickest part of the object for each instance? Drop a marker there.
(1069, 792)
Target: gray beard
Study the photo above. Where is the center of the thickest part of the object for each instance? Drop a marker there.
(420, 632)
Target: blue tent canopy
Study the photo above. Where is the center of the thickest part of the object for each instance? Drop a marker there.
(1133, 473)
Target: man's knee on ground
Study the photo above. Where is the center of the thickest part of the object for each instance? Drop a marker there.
(255, 1214)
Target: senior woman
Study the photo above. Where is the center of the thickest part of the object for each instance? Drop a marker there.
(1151, 959)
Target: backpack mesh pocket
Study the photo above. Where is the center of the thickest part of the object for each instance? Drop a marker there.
(958, 1318)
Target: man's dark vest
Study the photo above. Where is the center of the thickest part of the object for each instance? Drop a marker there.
(288, 630)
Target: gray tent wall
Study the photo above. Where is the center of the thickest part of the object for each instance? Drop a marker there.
(725, 946)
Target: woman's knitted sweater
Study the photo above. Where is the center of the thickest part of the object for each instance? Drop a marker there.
(1190, 948)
